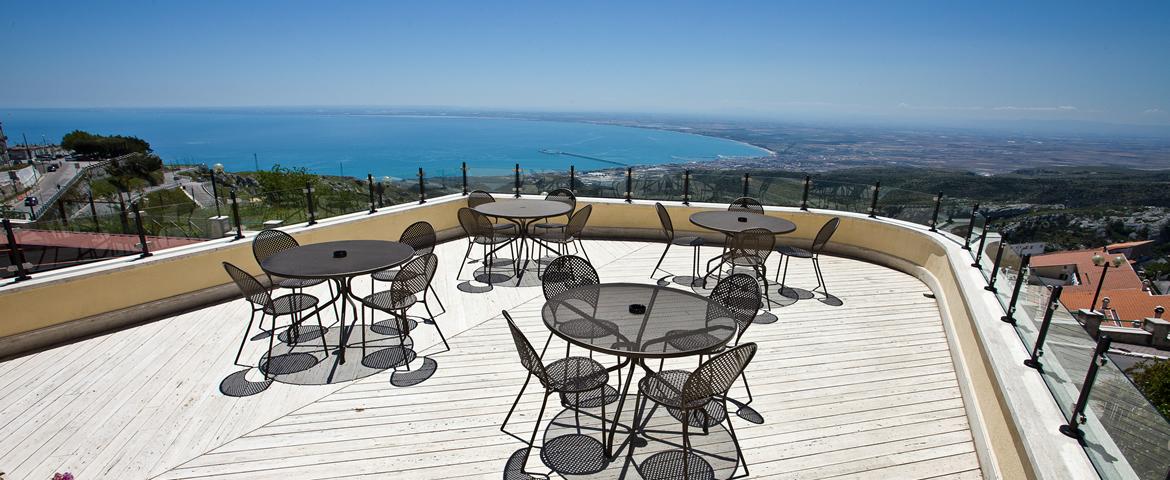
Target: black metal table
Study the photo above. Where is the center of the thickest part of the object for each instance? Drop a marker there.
(728, 221)
(523, 212)
(318, 261)
(599, 318)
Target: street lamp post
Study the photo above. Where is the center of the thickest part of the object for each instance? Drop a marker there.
(1100, 261)
(217, 168)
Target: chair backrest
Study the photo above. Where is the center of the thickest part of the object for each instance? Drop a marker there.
(528, 356)
(566, 273)
(270, 242)
(479, 197)
(756, 242)
(738, 294)
(664, 218)
(577, 221)
(415, 275)
(715, 376)
(563, 195)
(252, 289)
(474, 224)
(746, 203)
(420, 236)
(825, 234)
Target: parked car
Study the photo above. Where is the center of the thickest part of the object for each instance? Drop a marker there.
(52, 167)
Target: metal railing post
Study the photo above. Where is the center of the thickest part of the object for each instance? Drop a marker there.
(422, 186)
(1038, 348)
(370, 187)
(573, 179)
(629, 184)
(236, 214)
(995, 268)
(309, 203)
(464, 170)
(517, 183)
(746, 178)
(15, 254)
(804, 196)
(1072, 428)
(982, 240)
(970, 228)
(97, 226)
(1021, 278)
(934, 216)
(686, 187)
(873, 203)
(141, 231)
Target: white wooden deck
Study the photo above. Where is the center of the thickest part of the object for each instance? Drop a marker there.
(860, 388)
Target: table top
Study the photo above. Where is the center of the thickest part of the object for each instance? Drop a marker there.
(728, 221)
(676, 323)
(316, 260)
(524, 208)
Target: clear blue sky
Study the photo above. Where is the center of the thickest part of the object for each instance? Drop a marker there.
(1095, 61)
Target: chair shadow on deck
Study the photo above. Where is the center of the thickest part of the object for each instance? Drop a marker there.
(502, 275)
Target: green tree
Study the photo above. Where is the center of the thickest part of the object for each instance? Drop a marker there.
(1153, 379)
(88, 144)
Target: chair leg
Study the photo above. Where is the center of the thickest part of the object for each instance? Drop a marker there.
(437, 299)
(436, 324)
(515, 402)
(820, 276)
(271, 343)
(763, 270)
(784, 278)
(243, 341)
(686, 424)
(660, 259)
(735, 440)
(535, 429)
(466, 256)
(583, 251)
(320, 325)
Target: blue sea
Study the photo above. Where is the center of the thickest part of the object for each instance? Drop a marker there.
(334, 143)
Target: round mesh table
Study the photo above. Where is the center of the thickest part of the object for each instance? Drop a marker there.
(637, 322)
(729, 222)
(523, 212)
(323, 260)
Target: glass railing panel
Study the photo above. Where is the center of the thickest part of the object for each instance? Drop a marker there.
(1137, 429)
(334, 201)
(715, 187)
(659, 184)
(272, 209)
(841, 196)
(907, 205)
(776, 191)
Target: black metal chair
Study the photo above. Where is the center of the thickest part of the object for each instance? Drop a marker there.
(292, 304)
(270, 242)
(480, 197)
(571, 234)
(737, 294)
(480, 231)
(689, 392)
(559, 195)
(748, 204)
(750, 249)
(408, 289)
(788, 252)
(671, 239)
(567, 376)
(421, 237)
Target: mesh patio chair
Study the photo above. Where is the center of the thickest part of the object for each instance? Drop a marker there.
(788, 252)
(292, 304)
(737, 294)
(689, 392)
(567, 376)
(748, 204)
(270, 242)
(408, 289)
(480, 197)
(749, 249)
(479, 231)
(559, 195)
(671, 239)
(421, 237)
(570, 235)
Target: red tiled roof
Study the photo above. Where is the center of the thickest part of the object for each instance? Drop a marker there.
(1123, 277)
(1138, 243)
(104, 241)
(1124, 304)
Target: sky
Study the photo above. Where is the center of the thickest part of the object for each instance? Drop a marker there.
(981, 60)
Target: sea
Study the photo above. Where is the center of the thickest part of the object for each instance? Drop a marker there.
(357, 144)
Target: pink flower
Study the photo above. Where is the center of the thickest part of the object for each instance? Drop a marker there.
(63, 476)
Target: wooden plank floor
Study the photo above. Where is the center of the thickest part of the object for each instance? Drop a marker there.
(860, 385)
